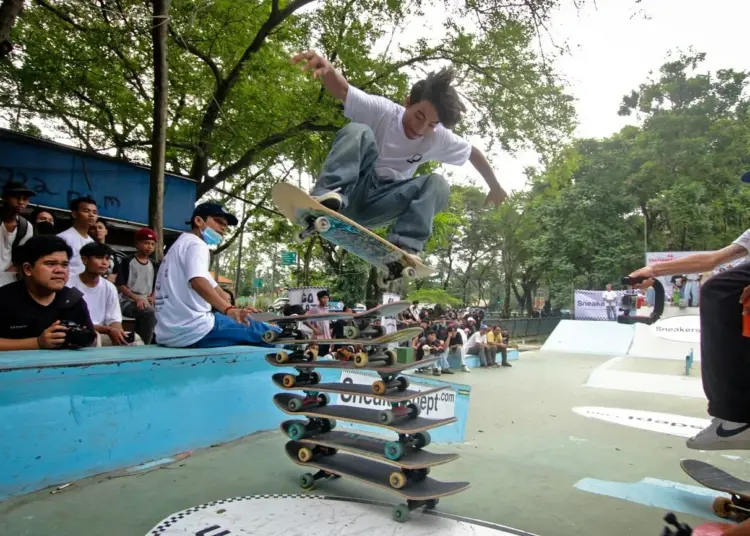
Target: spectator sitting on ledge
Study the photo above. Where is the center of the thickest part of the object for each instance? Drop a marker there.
(40, 300)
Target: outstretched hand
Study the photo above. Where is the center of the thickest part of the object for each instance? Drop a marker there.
(496, 196)
(648, 273)
(313, 62)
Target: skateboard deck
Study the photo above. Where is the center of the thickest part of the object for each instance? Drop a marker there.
(401, 335)
(349, 365)
(372, 448)
(387, 309)
(356, 389)
(271, 318)
(302, 210)
(719, 480)
(359, 415)
(375, 473)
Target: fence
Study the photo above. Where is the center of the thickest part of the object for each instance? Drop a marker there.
(521, 328)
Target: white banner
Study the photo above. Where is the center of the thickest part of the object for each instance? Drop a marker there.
(304, 296)
(440, 405)
(589, 304)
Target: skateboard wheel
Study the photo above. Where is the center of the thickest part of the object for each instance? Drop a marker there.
(310, 355)
(418, 475)
(328, 425)
(432, 503)
(386, 417)
(323, 400)
(281, 357)
(351, 332)
(379, 388)
(295, 404)
(270, 336)
(422, 439)
(322, 224)
(304, 454)
(403, 383)
(315, 378)
(299, 238)
(361, 359)
(414, 411)
(382, 281)
(401, 513)
(721, 507)
(409, 272)
(296, 431)
(397, 480)
(390, 357)
(306, 481)
(394, 450)
(289, 381)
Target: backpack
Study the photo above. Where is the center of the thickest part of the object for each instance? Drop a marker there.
(21, 229)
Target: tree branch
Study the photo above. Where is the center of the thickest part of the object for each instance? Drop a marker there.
(180, 42)
(200, 162)
(61, 15)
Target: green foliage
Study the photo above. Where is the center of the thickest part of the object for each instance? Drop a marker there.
(433, 295)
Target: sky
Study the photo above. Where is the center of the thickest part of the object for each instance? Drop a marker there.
(614, 45)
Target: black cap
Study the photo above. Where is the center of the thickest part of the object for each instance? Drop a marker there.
(746, 177)
(204, 210)
(17, 188)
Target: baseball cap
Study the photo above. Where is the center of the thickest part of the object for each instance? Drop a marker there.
(746, 177)
(17, 188)
(145, 234)
(204, 210)
(470, 319)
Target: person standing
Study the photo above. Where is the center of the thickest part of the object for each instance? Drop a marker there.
(692, 289)
(136, 277)
(84, 213)
(321, 328)
(99, 233)
(610, 301)
(16, 230)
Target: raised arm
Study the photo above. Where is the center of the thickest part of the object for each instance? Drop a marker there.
(497, 195)
(321, 68)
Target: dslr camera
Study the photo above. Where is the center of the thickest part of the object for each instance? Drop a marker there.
(77, 336)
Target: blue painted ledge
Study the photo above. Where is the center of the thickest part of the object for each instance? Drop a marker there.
(66, 415)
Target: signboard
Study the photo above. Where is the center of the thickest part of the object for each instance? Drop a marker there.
(686, 328)
(257, 283)
(288, 258)
(440, 405)
(304, 296)
(589, 304)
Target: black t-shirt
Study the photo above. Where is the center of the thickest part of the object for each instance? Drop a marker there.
(22, 317)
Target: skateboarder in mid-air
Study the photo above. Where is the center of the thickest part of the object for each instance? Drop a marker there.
(368, 174)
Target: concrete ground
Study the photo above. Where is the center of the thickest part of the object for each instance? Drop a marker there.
(525, 452)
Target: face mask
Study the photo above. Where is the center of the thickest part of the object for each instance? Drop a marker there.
(44, 228)
(211, 237)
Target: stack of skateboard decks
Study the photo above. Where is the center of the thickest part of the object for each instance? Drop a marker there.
(400, 465)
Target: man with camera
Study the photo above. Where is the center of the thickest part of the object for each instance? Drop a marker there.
(39, 311)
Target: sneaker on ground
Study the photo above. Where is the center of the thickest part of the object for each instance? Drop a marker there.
(448, 371)
(494, 365)
(722, 435)
(436, 372)
(506, 365)
(464, 368)
(331, 200)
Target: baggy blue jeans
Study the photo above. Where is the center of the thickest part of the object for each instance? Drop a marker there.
(374, 201)
(228, 332)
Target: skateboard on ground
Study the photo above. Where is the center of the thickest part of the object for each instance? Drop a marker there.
(373, 348)
(403, 419)
(738, 505)
(289, 324)
(315, 219)
(411, 484)
(406, 453)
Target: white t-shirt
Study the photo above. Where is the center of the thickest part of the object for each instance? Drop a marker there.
(610, 297)
(6, 251)
(399, 156)
(101, 300)
(475, 339)
(182, 316)
(76, 242)
(744, 241)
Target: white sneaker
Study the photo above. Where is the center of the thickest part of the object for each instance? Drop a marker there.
(464, 368)
(331, 200)
(722, 435)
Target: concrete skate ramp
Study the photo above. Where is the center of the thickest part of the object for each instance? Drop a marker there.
(670, 338)
(590, 337)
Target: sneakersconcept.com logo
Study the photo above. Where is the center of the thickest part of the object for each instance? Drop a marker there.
(686, 328)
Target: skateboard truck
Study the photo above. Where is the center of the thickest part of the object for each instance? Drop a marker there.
(399, 479)
(309, 354)
(389, 383)
(362, 359)
(313, 427)
(400, 410)
(628, 306)
(312, 399)
(402, 512)
(682, 528)
(395, 450)
(396, 270)
(305, 377)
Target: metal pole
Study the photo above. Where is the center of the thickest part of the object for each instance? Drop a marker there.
(645, 236)
(238, 274)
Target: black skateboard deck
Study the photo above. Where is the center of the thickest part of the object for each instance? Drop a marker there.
(271, 318)
(401, 335)
(371, 447)
(359, 415)
(355, 389)
(387, 309)
(350, 365)
(375, 473)
(719, 480)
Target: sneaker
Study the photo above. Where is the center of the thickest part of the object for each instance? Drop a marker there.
(464, 368)
(506, 364)
(331, 200)
(436, 372)
(722, 435)
(448, 371)
(483, 366)
(495, 365)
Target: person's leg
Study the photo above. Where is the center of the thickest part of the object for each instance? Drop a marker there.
(478, 350)
(725, 367)
(350, 164)
(444, 363)
(145, 321)
(504, 352)
(460, 353)
(227, 332)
